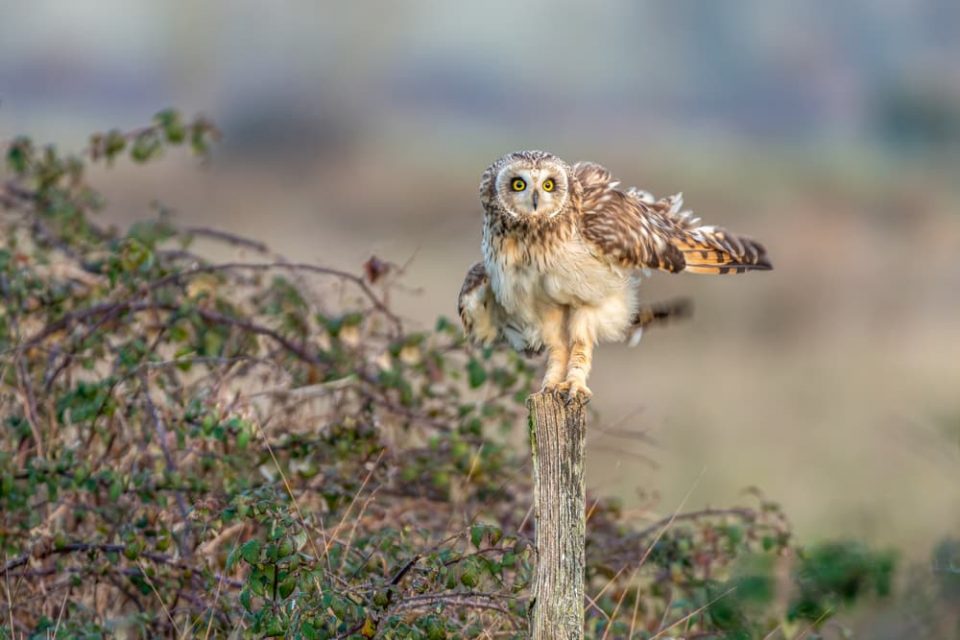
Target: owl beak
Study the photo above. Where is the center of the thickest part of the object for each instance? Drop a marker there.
(536, 199)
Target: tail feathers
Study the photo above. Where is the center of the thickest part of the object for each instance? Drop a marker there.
(662, 312)
(712, 250)
(656, 314)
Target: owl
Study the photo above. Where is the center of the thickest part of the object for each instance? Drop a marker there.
(563, 250)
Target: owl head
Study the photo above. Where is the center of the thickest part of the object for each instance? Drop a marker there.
(528, 184)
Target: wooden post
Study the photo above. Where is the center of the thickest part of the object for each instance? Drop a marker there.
(557, 438)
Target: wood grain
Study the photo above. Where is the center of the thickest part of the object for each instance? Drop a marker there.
(557, 438)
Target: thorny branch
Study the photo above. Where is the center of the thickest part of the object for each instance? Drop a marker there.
(231, 420)
(44, 552)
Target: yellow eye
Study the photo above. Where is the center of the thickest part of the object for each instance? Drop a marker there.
(518, 184)
(547, 185)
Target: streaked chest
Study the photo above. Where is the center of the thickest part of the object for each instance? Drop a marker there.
(529, 271)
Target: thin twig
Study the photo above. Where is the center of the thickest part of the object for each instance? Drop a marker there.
(694, 612)
(160, 599)
(229, 238)
(171, 466)
(353, 501)
(30, 400)
(742, 512)
(81, 547)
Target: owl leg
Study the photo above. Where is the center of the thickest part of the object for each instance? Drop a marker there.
(555, 340)
(583, 336)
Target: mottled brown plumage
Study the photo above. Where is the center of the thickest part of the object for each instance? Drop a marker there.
(563, 248)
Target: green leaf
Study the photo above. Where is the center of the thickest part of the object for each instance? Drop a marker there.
(114, 143)
(476, 534)
(172, 125)
(116, 488)
(300, 539)
(470, 578)
(477, 374)
(287, 586)
(309, 631)
(250, 551)
(19, 155)
(151, 232)
(243, 437)
(146, 146)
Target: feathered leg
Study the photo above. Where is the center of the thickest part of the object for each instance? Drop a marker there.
(555, 340)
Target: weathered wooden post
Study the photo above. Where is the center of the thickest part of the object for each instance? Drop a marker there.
(557, 438)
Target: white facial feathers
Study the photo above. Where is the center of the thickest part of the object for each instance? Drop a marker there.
(532, 189)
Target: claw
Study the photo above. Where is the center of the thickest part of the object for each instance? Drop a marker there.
(573, 391)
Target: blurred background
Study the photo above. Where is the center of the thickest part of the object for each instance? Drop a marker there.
(830, 131)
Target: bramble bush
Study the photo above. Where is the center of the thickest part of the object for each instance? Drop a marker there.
(260, 448)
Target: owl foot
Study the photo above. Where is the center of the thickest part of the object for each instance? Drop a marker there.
(573, 391)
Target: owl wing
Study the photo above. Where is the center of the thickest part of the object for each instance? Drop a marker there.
(632, 229)
(478, 308)
(485, 321)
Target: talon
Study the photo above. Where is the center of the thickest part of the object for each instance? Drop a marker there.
(573, 391)
(550, 387)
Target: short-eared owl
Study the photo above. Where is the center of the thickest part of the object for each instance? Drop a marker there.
(562, 251)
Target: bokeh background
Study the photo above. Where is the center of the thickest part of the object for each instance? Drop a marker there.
(829, 130)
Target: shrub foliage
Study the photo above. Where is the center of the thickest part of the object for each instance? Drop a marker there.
(259, 448)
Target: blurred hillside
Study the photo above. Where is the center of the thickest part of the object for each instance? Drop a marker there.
(831, 131)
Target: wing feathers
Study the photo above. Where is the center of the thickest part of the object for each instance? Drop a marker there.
(634, 230)
(716, 251)
(478, 308)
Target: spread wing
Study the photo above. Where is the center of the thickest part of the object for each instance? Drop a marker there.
(632, 229)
